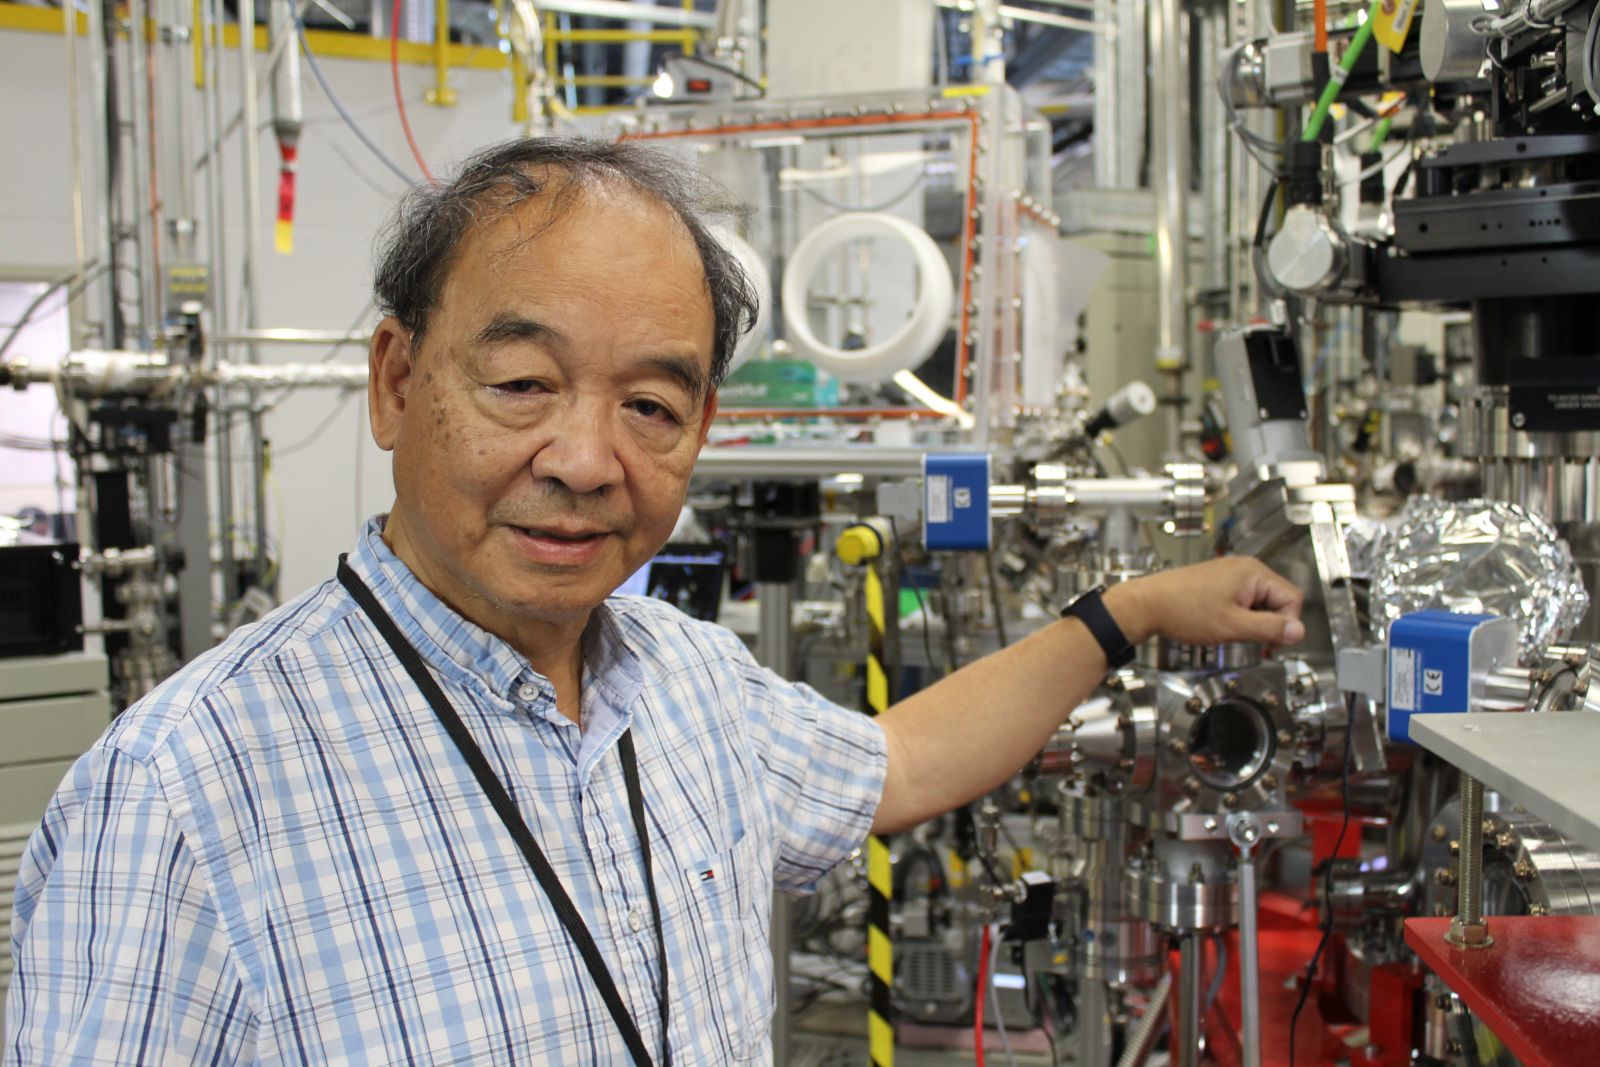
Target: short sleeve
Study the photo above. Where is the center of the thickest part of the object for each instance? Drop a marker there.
(824, 771)
(120, 956)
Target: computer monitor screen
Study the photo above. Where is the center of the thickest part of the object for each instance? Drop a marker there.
(687, 576)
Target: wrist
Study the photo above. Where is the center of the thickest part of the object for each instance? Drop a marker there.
(1125, 601)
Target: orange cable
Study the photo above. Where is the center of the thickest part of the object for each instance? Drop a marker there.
(399, 97)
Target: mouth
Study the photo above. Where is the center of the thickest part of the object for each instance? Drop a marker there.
(560, 546)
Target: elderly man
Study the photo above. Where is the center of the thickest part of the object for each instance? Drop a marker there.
(455, 805)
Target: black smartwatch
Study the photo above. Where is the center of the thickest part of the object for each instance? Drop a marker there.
(1090, 609)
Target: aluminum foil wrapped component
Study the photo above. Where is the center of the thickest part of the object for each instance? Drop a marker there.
(1365, 541)
(1480, 556)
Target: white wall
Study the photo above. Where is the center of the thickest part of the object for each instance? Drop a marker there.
(320, 491)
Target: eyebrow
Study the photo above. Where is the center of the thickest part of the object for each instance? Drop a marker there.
(686, 372)
(510, 327)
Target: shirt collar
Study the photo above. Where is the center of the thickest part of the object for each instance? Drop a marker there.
(466, 651)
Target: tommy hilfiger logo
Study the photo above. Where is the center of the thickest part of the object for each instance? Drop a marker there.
(708, 875)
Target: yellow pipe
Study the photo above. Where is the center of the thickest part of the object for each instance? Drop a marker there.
(608, 81)
(197, 36)
(441, 95)
(688, 40)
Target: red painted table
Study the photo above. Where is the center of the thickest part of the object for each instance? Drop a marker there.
(1537, 987)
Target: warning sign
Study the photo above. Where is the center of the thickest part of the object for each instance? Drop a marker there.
(1393, 23)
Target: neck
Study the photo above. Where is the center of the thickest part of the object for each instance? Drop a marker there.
(552, 647)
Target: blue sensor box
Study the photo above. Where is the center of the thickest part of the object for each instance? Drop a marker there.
(1437, 661)
(955, 502)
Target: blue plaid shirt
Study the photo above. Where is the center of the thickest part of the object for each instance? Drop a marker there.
(279, 857)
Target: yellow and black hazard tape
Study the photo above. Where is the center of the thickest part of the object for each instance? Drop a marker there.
(858, 545)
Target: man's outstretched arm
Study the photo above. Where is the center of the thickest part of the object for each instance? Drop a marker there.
(960, 738)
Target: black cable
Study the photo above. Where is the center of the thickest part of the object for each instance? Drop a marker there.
(349, 120)
(994, 594)
(922, 605)
(1327, 925)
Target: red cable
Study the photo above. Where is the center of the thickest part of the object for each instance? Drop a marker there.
(399, 97)
(977, 1007)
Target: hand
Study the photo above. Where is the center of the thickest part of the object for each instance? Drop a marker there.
(1222, 601)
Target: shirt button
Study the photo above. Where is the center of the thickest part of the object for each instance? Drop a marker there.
(634, 922)
(527, 693)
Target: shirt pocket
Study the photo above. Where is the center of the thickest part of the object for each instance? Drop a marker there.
(731, 893)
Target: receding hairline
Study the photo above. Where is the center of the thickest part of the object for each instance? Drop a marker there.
(567, 189)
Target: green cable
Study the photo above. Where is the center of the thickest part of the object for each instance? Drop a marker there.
(1330, 92)
(1381, 134)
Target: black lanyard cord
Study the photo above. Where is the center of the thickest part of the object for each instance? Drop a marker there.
(506, 808)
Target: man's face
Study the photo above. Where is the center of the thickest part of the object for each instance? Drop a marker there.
(545, 428)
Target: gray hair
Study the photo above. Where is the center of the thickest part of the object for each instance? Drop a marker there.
(417, 246)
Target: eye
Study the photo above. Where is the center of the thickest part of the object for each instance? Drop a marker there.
(653, 410)
(518, 387)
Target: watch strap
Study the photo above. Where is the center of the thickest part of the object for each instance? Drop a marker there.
(1090, 609)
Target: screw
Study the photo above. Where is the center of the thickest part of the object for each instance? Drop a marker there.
(1177, 747)
(1454, 1046)
(1230, 800)
(1538, 909)
(1504, 840)
(1524, 871)
(1193, 705)
(1269, 701)
(1444, 876)
(1269, 782)
(1469, 930)
(1519, 420)
(1210, 824)
(1233, 685)
(1455, 849)
(1440, 833)
(1191, 786)
(1285, 737)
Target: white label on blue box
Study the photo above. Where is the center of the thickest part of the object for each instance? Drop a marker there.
(938, 498)
(1403, 679)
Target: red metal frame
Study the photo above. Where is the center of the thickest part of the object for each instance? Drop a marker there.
(1537, 987)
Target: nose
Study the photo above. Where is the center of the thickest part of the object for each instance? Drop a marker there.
(580, 451)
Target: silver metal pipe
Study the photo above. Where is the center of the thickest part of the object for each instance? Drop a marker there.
(1060, 22)
(216, 210)
(1170, 184)
(629, 12)
(805, 463)
(69, 36)
(286, 336)
(1249, 963)
(775, 627)
(1191, 1000)
(144, 196)
(251, 138)
(1143, 1037)
(1094, 1025)
(775, 651)
(99, 164)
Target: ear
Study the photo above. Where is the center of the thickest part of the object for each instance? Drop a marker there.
(389, 366)
(706, 416)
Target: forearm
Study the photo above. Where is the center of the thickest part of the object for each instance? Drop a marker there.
(963, 736)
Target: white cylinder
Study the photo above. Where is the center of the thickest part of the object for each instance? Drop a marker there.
(755, 268)
(908, 346)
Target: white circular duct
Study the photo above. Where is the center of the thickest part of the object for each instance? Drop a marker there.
(908, 346)
(755, 268)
